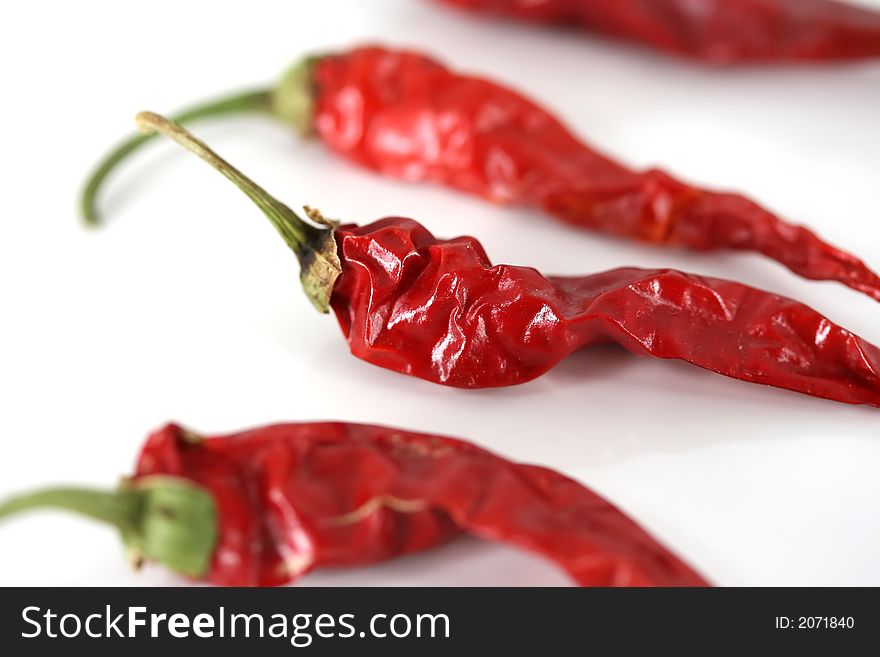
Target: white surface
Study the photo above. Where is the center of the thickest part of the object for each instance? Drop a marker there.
(188, 307)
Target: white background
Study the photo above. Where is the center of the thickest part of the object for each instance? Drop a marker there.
(188, 307)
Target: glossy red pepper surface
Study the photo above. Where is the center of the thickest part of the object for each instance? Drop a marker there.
(719, 31)
(438, 309)
(405, 115)
(294, 497)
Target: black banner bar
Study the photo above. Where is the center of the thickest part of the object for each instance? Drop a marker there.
(433, 621)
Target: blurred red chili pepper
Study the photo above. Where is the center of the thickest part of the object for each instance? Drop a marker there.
(718, 31)
(407, 116)
(439, 310)
(264, 507)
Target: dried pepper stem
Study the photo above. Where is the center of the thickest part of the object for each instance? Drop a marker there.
(165, 519)
(291, 101)
(118, 508)
(314, 247)
(250, 101)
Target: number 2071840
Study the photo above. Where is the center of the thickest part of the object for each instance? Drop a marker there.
(815, 623)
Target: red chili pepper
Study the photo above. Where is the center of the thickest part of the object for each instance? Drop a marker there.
(719, 31)
(407, 116)
(264, 507)
(439, 310)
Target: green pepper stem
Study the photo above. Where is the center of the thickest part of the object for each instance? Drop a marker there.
(251, 101)
(314, 247)
(166, 519)
(118, 508)
(293, 229)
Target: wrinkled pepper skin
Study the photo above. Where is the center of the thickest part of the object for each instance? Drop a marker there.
(439, 310)
(295, 497)
(716, 31)
(407, 116)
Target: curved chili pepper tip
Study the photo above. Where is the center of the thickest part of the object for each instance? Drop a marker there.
(314, 247)
(161, 518)
(248, 101)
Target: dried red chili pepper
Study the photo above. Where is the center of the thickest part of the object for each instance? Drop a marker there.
(438, 309)
(407, 116)
(718, 31)
(265, 506)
